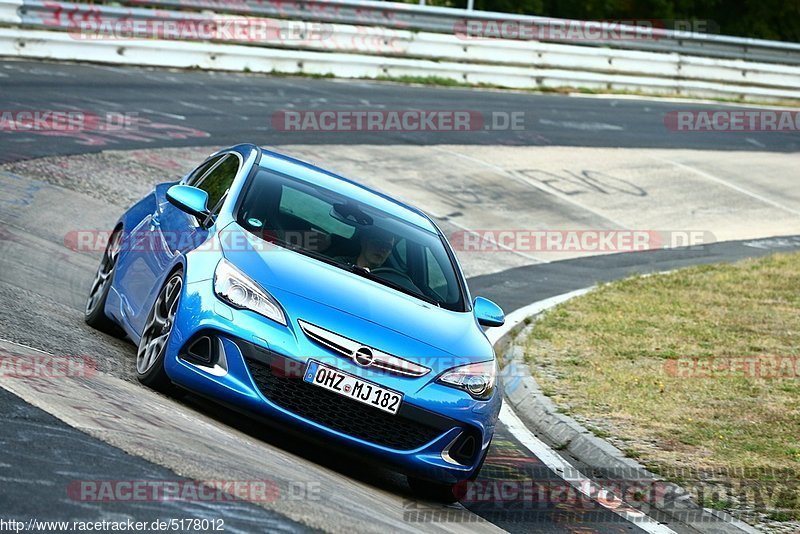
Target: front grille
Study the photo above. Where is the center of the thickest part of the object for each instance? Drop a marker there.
(409, 429)
(350, 349)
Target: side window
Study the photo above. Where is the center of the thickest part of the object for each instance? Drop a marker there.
(436, 277)
(201, 170)
(218, 181)
(400, 254)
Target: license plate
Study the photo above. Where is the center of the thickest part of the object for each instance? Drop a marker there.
(353, 387)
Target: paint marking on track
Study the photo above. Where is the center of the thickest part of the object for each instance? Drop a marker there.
(23, 345)
(168, 115)
(729, 185)
(531, 183)
(153, 427)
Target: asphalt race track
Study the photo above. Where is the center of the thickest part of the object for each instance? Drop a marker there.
(225, 108)
(42, 286)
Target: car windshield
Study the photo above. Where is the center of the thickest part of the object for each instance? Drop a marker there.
(352, 235)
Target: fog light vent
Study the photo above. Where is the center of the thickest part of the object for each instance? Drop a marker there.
(202, 350)
(464, 449)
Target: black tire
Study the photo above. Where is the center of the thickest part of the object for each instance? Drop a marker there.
(156, 334)
(435, 491)
(477, 471)
(94, 313)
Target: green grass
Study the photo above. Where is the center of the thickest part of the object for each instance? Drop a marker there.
(716, 504)
(632, 453)
(612, 356)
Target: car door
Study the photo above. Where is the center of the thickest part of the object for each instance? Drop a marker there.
(175, 232)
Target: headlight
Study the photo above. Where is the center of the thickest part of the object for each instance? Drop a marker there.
(477, 379)
(235, 288)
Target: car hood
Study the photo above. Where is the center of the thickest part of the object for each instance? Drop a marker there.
(353, 306)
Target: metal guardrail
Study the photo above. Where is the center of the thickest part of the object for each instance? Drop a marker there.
(449, 20)
(375, 51)
(59, 46)
(9, 11)
(86, 21)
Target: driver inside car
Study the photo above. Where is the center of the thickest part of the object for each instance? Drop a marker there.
(376, 245)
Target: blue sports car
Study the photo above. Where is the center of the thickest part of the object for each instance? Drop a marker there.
(306, 299)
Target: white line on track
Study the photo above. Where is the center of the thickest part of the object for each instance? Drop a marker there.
(103, 102)
(576, 479)
(729, 185)
(23, 345)
(689, 101)
(754, 142)
(516, 317)
(170, 429)
(168, 115)
(207, 109)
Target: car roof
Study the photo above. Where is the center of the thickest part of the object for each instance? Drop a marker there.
(310, 173)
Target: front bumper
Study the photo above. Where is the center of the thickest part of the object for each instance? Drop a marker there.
(251, 363)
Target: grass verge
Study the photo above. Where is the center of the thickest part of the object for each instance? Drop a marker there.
(695, 373)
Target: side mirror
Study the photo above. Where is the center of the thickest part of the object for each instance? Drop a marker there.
(190, 199)
(488, 313)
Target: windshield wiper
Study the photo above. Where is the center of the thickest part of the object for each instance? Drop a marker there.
(366, 273)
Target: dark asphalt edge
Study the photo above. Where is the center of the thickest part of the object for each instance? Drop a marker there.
(52, 454)
(518, 287)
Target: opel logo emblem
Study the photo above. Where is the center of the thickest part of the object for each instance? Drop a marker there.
(364, 357)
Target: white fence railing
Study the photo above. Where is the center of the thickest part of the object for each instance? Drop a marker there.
(10, 11)
(69, 31)
(448, 20)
